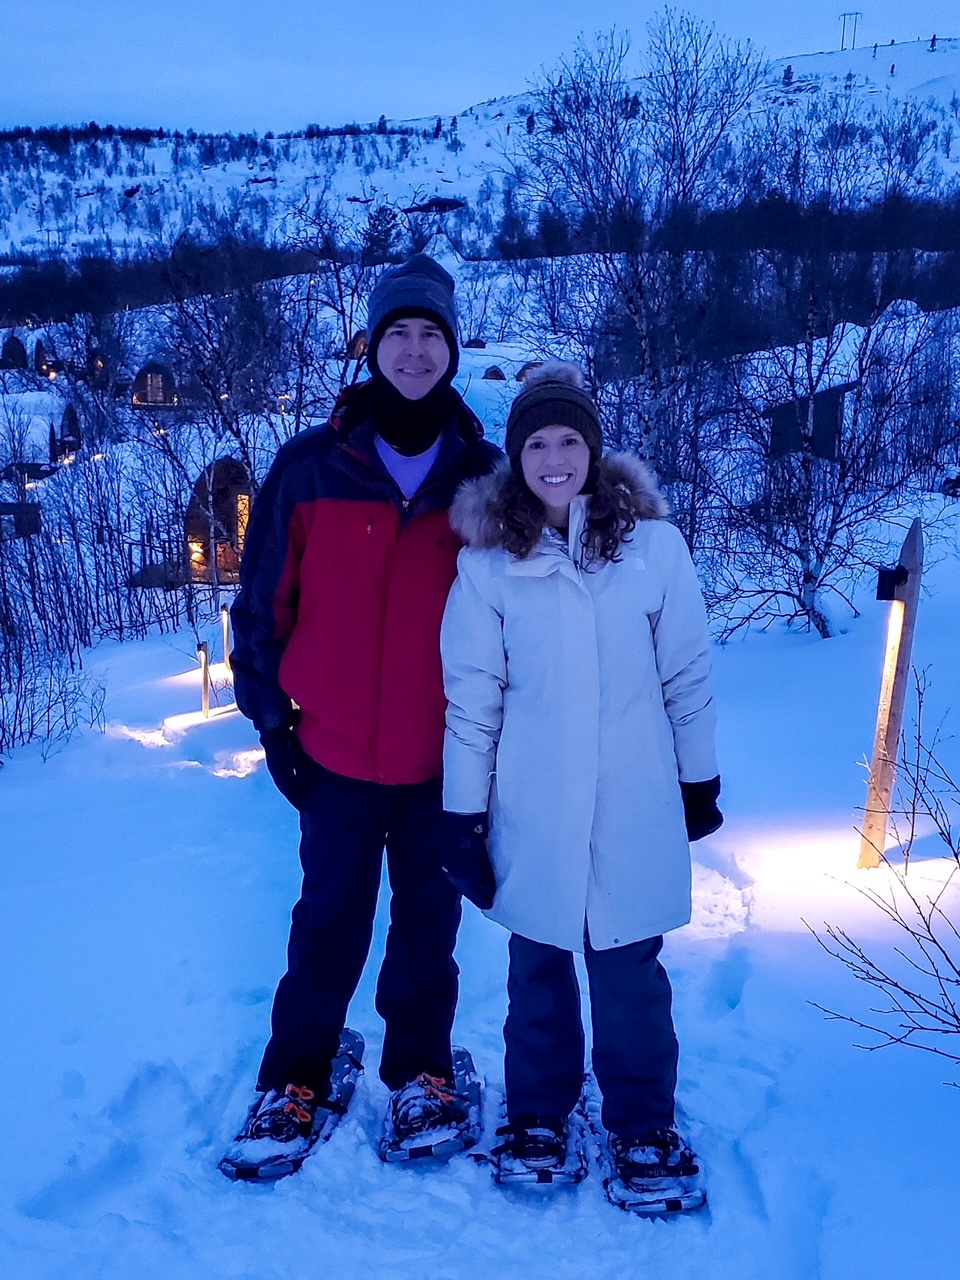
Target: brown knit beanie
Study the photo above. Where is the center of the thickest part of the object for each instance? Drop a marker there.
(553, 395)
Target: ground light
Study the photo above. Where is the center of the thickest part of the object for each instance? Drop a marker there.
(901, 586)
(203, 654)
(225, 628)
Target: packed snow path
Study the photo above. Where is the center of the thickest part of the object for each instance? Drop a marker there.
(148, 875)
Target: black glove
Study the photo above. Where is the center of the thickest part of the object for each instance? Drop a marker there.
(465, 857)
(290, 766)
(700, 810)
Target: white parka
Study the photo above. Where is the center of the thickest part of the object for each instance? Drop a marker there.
(578, 697)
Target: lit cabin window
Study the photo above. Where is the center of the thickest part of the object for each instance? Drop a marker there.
(243, 516)
(216, 521)
(155, 388)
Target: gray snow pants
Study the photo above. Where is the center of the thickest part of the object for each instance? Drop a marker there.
(635, 1047)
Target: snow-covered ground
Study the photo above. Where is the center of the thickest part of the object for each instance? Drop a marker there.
(148, 874)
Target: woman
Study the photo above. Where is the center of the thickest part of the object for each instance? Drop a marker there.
(580, 717)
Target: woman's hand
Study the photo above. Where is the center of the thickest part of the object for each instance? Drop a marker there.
(700, 808)
(465, 857)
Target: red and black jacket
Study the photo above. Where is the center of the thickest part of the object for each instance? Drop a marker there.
(342, 590)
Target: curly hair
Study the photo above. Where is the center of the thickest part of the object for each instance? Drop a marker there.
(611, 517)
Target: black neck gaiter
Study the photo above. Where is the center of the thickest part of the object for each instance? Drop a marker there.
(410, 426)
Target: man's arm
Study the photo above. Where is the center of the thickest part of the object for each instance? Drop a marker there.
(265, 610)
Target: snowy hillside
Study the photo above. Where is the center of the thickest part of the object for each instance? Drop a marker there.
(149, 872)
(907, 70)
(125, 194)
(135, 194)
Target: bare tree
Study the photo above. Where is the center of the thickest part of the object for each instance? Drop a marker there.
(328, 307)
(918, 981)
(697, 86)
(614, 154)
(488, 302)
(803, 523)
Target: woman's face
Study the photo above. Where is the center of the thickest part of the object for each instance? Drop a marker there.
(555, 462)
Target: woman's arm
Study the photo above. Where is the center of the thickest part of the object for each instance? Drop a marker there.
(474, 676)
(682, 646)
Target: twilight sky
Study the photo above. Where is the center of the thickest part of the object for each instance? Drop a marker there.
(251, 64)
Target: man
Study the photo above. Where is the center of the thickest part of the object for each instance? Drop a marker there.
(348, 562)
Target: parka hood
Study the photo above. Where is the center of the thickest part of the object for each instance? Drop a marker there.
(472, 513)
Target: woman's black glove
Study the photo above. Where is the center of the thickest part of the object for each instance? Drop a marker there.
(465, 858)
(700, 808)
(289, 765)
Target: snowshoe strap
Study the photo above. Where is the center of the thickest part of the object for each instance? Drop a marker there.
(517, 1134)
(642, 1172)
(436, 1087)
(299, 1094)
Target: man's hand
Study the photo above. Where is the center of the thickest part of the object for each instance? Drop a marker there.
(466, 860)
(289, 765)
(700, 808)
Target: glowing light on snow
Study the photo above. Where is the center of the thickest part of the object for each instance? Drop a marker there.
(172, 729)
(219, 674)
(810, 874)
(177, 726)
(146, 737)
(237, 764)
(798, 874)
(785, 861)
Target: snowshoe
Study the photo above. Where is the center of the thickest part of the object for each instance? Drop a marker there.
(282, 1128)
(432, 1118)
(539, 1151)
(655, 1176)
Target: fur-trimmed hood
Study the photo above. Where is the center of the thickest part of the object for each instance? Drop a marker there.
(471, 514)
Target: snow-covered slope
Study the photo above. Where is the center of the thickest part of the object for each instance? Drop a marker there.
(128, 195)
(909, 69)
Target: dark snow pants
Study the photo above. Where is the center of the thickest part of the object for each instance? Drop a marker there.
(344, 826)
(634, 1045)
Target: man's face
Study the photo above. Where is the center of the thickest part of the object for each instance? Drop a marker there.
(413, 355)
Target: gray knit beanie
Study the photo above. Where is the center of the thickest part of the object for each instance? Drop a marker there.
(553, 395)
(418, 287)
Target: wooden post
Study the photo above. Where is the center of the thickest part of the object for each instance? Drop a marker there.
(225, 625)
(904, 596)
(203, 654)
